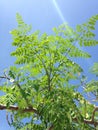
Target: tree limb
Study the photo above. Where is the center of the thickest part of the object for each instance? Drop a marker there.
(92, 121)
(16, 108)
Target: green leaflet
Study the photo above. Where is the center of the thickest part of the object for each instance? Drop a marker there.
(94, 69)
(92, 86)
(7, 100)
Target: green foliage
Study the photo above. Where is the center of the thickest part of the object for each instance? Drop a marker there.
(87, 33)
(41, 78)
(92, 86)
(94, 69)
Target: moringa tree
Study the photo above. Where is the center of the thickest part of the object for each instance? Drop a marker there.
(38, 86)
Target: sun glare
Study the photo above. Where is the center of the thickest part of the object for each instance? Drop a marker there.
(61, 15)
(59, 11)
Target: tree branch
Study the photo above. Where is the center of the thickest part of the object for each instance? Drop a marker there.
(92, 121)
(16, 108)
(93, 114)
(4, 77)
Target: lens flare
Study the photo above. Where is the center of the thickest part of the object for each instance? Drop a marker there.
(59, 11)
(61, 15)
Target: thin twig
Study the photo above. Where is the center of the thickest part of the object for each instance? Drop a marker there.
(7, 118)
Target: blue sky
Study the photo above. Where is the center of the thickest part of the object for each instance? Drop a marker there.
(43, 15)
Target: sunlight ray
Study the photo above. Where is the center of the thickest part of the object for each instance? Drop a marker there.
(59, 11)
(61, 14)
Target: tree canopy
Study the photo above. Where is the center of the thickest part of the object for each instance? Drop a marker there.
(38, 87)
